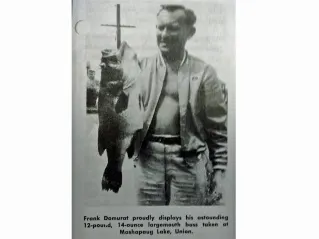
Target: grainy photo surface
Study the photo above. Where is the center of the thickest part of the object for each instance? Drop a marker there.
(154, 118)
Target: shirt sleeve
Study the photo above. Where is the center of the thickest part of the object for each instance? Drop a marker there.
(215, 118)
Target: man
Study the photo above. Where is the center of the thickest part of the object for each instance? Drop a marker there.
(92, 89)
(181, 150)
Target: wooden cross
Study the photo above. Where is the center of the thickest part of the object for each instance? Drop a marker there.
(118, 26)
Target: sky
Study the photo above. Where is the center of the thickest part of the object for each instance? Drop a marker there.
(213, 42)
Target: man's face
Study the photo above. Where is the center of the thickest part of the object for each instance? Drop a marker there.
(172, 32)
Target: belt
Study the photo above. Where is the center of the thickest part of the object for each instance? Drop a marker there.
(164, 140)
(170, 141)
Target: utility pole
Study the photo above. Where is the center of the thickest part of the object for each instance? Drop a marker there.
(118, 26)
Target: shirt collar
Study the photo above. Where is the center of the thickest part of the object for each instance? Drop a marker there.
(182, 62)
(184, 58)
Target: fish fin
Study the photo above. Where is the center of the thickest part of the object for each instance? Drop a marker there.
(122, 103)
(100, 141)
(131, 148)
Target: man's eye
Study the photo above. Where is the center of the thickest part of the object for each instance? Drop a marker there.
(161, 28)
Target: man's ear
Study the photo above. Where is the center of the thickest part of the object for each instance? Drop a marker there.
(192, 32)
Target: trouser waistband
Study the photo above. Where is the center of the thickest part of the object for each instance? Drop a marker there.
(173, 143)
(170, 140)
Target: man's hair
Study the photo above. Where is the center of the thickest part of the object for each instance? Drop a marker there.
(190, 18)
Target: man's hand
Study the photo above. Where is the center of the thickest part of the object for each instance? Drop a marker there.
(215, 188)
(119, 70)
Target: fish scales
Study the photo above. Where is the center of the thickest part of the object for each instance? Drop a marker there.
(119, 110)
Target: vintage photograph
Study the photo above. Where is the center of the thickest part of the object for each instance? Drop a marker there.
(159, 78)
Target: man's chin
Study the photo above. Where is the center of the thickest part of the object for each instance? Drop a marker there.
(165, 51)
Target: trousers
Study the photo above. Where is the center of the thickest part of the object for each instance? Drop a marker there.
(164, 176)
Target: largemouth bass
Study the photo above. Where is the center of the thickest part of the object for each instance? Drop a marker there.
(119, 111)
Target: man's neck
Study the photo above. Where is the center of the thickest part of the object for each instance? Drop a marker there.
(174, 60)
(175, 57)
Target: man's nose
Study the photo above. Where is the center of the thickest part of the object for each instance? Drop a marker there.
(164, 33)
